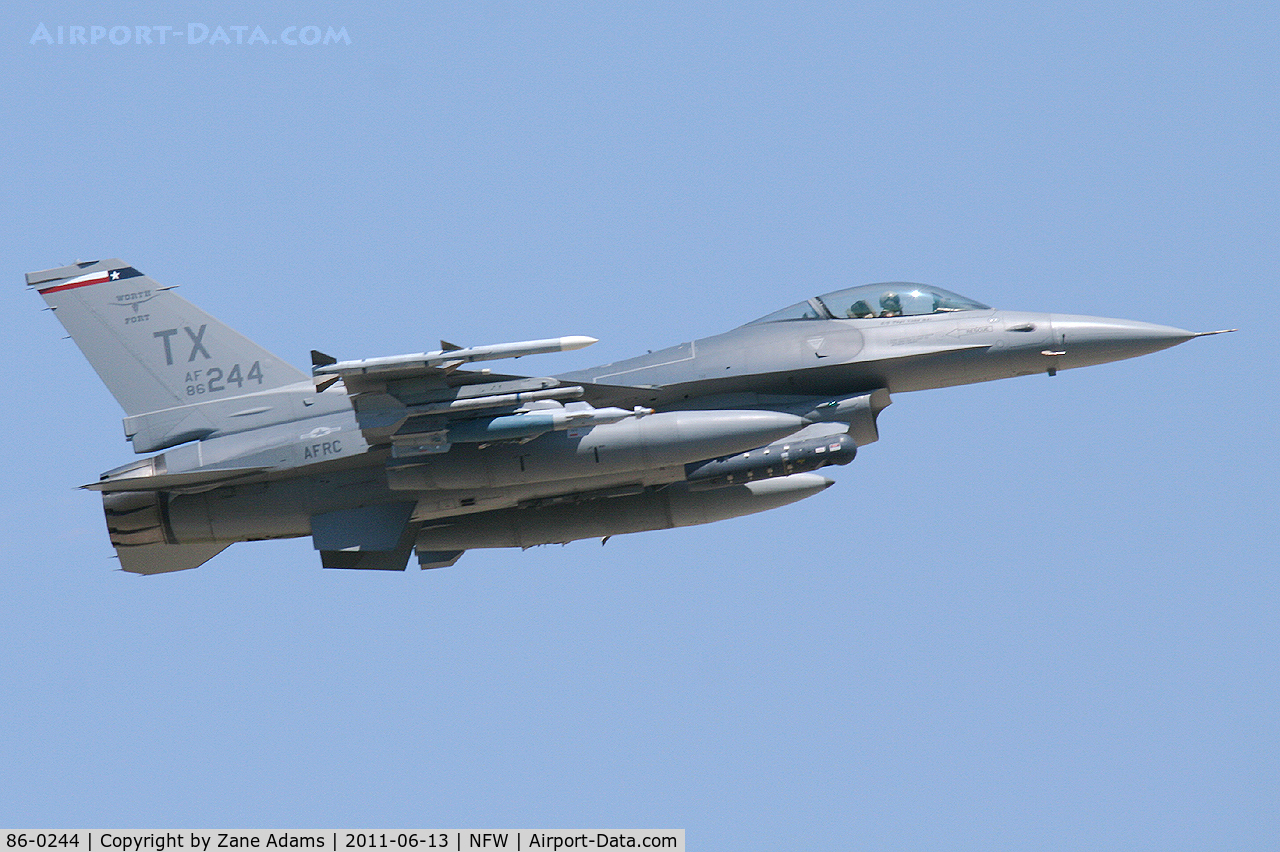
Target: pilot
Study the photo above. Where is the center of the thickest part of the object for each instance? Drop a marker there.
(890, 305)
(940, 305)
(860, 310)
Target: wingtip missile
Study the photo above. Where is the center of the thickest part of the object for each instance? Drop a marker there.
(576, 341)
(453, 358)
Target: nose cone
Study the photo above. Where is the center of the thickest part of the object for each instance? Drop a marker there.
(1081, 341)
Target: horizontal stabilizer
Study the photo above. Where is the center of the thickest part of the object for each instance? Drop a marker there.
(438, 558)
(163, 558)
(366, 561)
(168, 481)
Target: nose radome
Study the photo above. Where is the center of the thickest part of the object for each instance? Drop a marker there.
(1080, 341)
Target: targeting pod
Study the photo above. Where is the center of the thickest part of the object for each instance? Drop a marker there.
(779, 459)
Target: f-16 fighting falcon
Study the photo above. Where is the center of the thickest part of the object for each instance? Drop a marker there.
(381, 458)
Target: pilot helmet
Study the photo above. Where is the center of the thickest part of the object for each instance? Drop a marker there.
(859, 310)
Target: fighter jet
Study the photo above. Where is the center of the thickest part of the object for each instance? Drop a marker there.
(381, 458)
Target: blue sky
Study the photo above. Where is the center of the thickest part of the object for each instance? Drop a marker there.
(1039, 613)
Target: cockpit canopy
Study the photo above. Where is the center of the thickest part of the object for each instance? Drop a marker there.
(894, 299)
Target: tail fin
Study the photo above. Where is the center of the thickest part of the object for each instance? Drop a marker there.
(153, 349)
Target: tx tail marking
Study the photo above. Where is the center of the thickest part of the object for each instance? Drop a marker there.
(197, 343)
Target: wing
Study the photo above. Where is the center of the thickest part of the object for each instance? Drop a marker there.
(423, 403)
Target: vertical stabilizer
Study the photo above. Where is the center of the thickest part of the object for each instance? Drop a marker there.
(153, 349)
